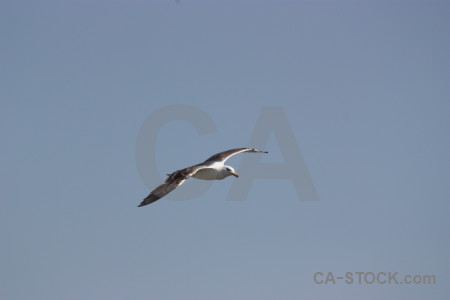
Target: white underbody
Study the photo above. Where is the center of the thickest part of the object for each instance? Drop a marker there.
(214, 172)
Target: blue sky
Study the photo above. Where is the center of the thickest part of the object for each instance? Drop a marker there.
(363, 84)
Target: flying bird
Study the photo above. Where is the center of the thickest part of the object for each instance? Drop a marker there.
(213, 168)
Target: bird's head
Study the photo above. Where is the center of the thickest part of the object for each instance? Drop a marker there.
(230, 171)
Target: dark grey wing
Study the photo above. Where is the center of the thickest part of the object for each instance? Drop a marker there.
(223, 156)
(172, 182)
(161, 191)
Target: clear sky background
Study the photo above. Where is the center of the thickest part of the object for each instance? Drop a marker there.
(365, 87)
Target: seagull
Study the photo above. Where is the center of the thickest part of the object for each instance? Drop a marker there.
(211, 169)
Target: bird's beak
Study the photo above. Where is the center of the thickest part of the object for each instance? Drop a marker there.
(235, 174)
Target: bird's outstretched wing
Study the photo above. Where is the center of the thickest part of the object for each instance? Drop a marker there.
(223, 156)
(172, 182)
